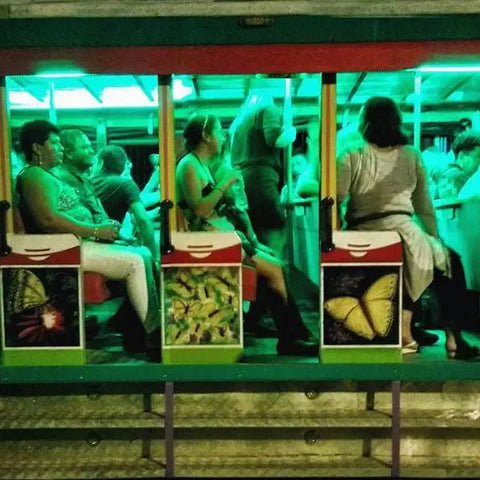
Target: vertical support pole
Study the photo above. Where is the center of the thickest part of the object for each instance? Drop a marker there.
(166, 145)
(147, 441)
(288, 122)
(169, 431)
(369, 406)
(101, 134)
(417, 111)
(328, 139)
(5, 169)
(287, 162)
(396, 389)
(52, 113)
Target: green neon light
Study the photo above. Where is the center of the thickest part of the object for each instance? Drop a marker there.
(449, 68)
(69, 94)
(61, 74)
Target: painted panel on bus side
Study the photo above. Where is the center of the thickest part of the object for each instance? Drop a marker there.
(361, 298)
(40, 299)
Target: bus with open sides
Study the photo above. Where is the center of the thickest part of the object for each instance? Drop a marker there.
(138, 91)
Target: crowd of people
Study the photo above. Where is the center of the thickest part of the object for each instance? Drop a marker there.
(234, 184)
(57, 193)
(53, 194)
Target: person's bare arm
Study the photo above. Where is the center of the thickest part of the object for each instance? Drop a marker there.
(145, 226)
(40, 193)
(192, 190)
(150, 194)
(344, 181)
(307, 185)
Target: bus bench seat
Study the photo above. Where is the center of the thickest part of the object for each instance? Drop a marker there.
(95, 288)
(249, 282)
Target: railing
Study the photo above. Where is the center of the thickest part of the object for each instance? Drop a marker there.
(459, 229)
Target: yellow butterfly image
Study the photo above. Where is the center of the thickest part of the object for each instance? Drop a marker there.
(192, 310)
(205, 292)
(221, 286)
(223, 280)
(371, 315)
(181, 284)
(230, 299)
(223, 334)
(25, 291)
(221, 316)
(198, 271)
(227, 274)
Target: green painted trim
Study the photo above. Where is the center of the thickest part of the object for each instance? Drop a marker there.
(360, 355)
(203, 356)
(435, 371)
(284, 29)
(53, 357)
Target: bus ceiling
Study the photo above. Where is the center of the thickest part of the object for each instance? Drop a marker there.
(78, 97)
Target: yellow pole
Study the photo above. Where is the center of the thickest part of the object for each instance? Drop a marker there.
(166, 146)
(5, 169)
(328, 140)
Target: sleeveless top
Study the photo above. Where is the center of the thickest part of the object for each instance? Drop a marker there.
(221, 219)
(69, 203)
(216, 220)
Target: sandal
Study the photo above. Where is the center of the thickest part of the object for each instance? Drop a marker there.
(410, 348)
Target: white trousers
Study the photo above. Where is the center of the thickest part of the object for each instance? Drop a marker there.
(132, 265)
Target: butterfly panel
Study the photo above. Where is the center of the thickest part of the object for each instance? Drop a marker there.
(202, 305)
(361, 306)
(41, 307)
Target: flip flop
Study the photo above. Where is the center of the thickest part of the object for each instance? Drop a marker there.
(410, 348)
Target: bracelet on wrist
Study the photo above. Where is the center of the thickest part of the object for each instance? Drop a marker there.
(95, 233)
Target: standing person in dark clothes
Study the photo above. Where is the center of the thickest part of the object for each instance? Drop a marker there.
(120, 194)
(257, 140)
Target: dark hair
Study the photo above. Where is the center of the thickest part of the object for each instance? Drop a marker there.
(37, 131)
(193, 131)
(113, 158)
(381, 123)
(466, 141)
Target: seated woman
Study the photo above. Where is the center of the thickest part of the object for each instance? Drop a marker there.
(383, 184)
(48, 205)
(200, 196)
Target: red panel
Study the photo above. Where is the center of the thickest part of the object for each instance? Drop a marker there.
(237, 59)
(391, 253)
(231, 254)
(70, 256)
(249, 283)
(95, 289)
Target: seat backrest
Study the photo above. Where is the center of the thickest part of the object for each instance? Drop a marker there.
(18, 225)
(182, 223)
(95, 289)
